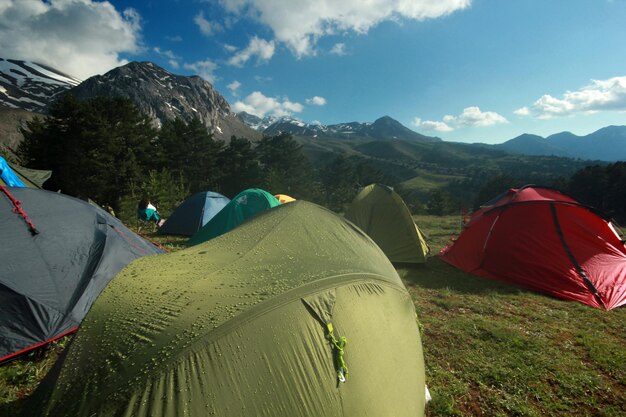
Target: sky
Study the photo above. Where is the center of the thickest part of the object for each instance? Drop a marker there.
(463, 70)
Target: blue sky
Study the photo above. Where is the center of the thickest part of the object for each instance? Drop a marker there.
(463, 70)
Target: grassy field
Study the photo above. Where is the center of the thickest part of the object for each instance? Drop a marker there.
(495, 350)
(490, 349)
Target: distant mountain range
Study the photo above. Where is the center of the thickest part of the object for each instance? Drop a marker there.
(31, 87)
(606, 144)
(382, 128)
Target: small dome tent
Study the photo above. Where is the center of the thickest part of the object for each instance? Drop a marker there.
(12, 175)
(246, 204)
(193, 213)
(57, 255)
(284, 198)
(382, 214)
(249, 324)
(7, 176)
(543, 240)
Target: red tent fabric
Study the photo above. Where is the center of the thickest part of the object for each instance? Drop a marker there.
(540, 239)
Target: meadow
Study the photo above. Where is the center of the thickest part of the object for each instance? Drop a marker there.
(490, 349)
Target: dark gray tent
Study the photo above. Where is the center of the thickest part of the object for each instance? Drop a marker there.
(193, 213)
(263, 321)
(56, 256)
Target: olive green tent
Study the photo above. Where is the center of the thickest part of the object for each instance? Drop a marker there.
(382, 214)
(240, 325)
(244, 205)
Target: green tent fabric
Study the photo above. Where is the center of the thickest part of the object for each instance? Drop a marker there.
(33, 178)
(246, 204)
(382, 214)
(238, 326)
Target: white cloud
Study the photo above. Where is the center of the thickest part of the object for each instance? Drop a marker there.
(207, 28)
(299, 24)
(474, 117)
(230, 48)
(523, 111)
(316, 101)
(79, 37)
(600, 95)
(260, 105)
(338, 49)
(263, 50)
(234, 86)
(262, 79)
(432, 125)
(176, 38)
(204, 69)
(168, 54)
(172, 59)
(470, 117)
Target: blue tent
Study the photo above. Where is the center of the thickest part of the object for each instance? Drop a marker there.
(193, 213)
(8, 176)
(244, 205)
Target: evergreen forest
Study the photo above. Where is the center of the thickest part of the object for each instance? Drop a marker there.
(105, 150)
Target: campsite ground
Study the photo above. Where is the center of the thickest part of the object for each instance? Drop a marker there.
(490, 349)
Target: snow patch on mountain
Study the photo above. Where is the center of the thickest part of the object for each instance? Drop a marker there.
(31, 86)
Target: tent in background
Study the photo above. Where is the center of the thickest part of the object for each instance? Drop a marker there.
(284, 198)
(538, 238)
(246, 204)
(7, 176)
(34, 178)
(193, 213)
(382, 214)
(57, 254)
(244, 326)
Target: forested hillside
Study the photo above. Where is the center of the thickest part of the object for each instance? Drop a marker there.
(106, 150)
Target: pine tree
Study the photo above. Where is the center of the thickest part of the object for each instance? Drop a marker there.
(187, 149)
(240, 167)
(94, 148)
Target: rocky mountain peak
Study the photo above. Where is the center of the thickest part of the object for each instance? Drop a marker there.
(165, 96)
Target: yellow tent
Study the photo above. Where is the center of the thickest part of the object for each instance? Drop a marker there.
(284, 198)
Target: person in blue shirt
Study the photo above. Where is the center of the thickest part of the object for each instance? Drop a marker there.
(147, 212)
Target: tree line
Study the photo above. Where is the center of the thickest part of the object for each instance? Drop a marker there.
(602, 187)
(106, 150)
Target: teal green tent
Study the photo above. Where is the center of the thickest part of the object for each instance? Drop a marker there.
(241, 325)
(246, 204)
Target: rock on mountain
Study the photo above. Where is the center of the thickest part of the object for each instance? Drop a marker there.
(383, 128)
(31, 86)
(11, 121)
(606, 144)
(165, 96)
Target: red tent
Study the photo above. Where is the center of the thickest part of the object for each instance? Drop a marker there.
(540, 239)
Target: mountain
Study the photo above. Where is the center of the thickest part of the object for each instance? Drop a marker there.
(165, 96)
(528, 144)
(31, 86)
(383, 128)
(159, 94)
(606, 144)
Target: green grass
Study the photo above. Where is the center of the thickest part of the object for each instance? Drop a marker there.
(496, 350)
(490, 349)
